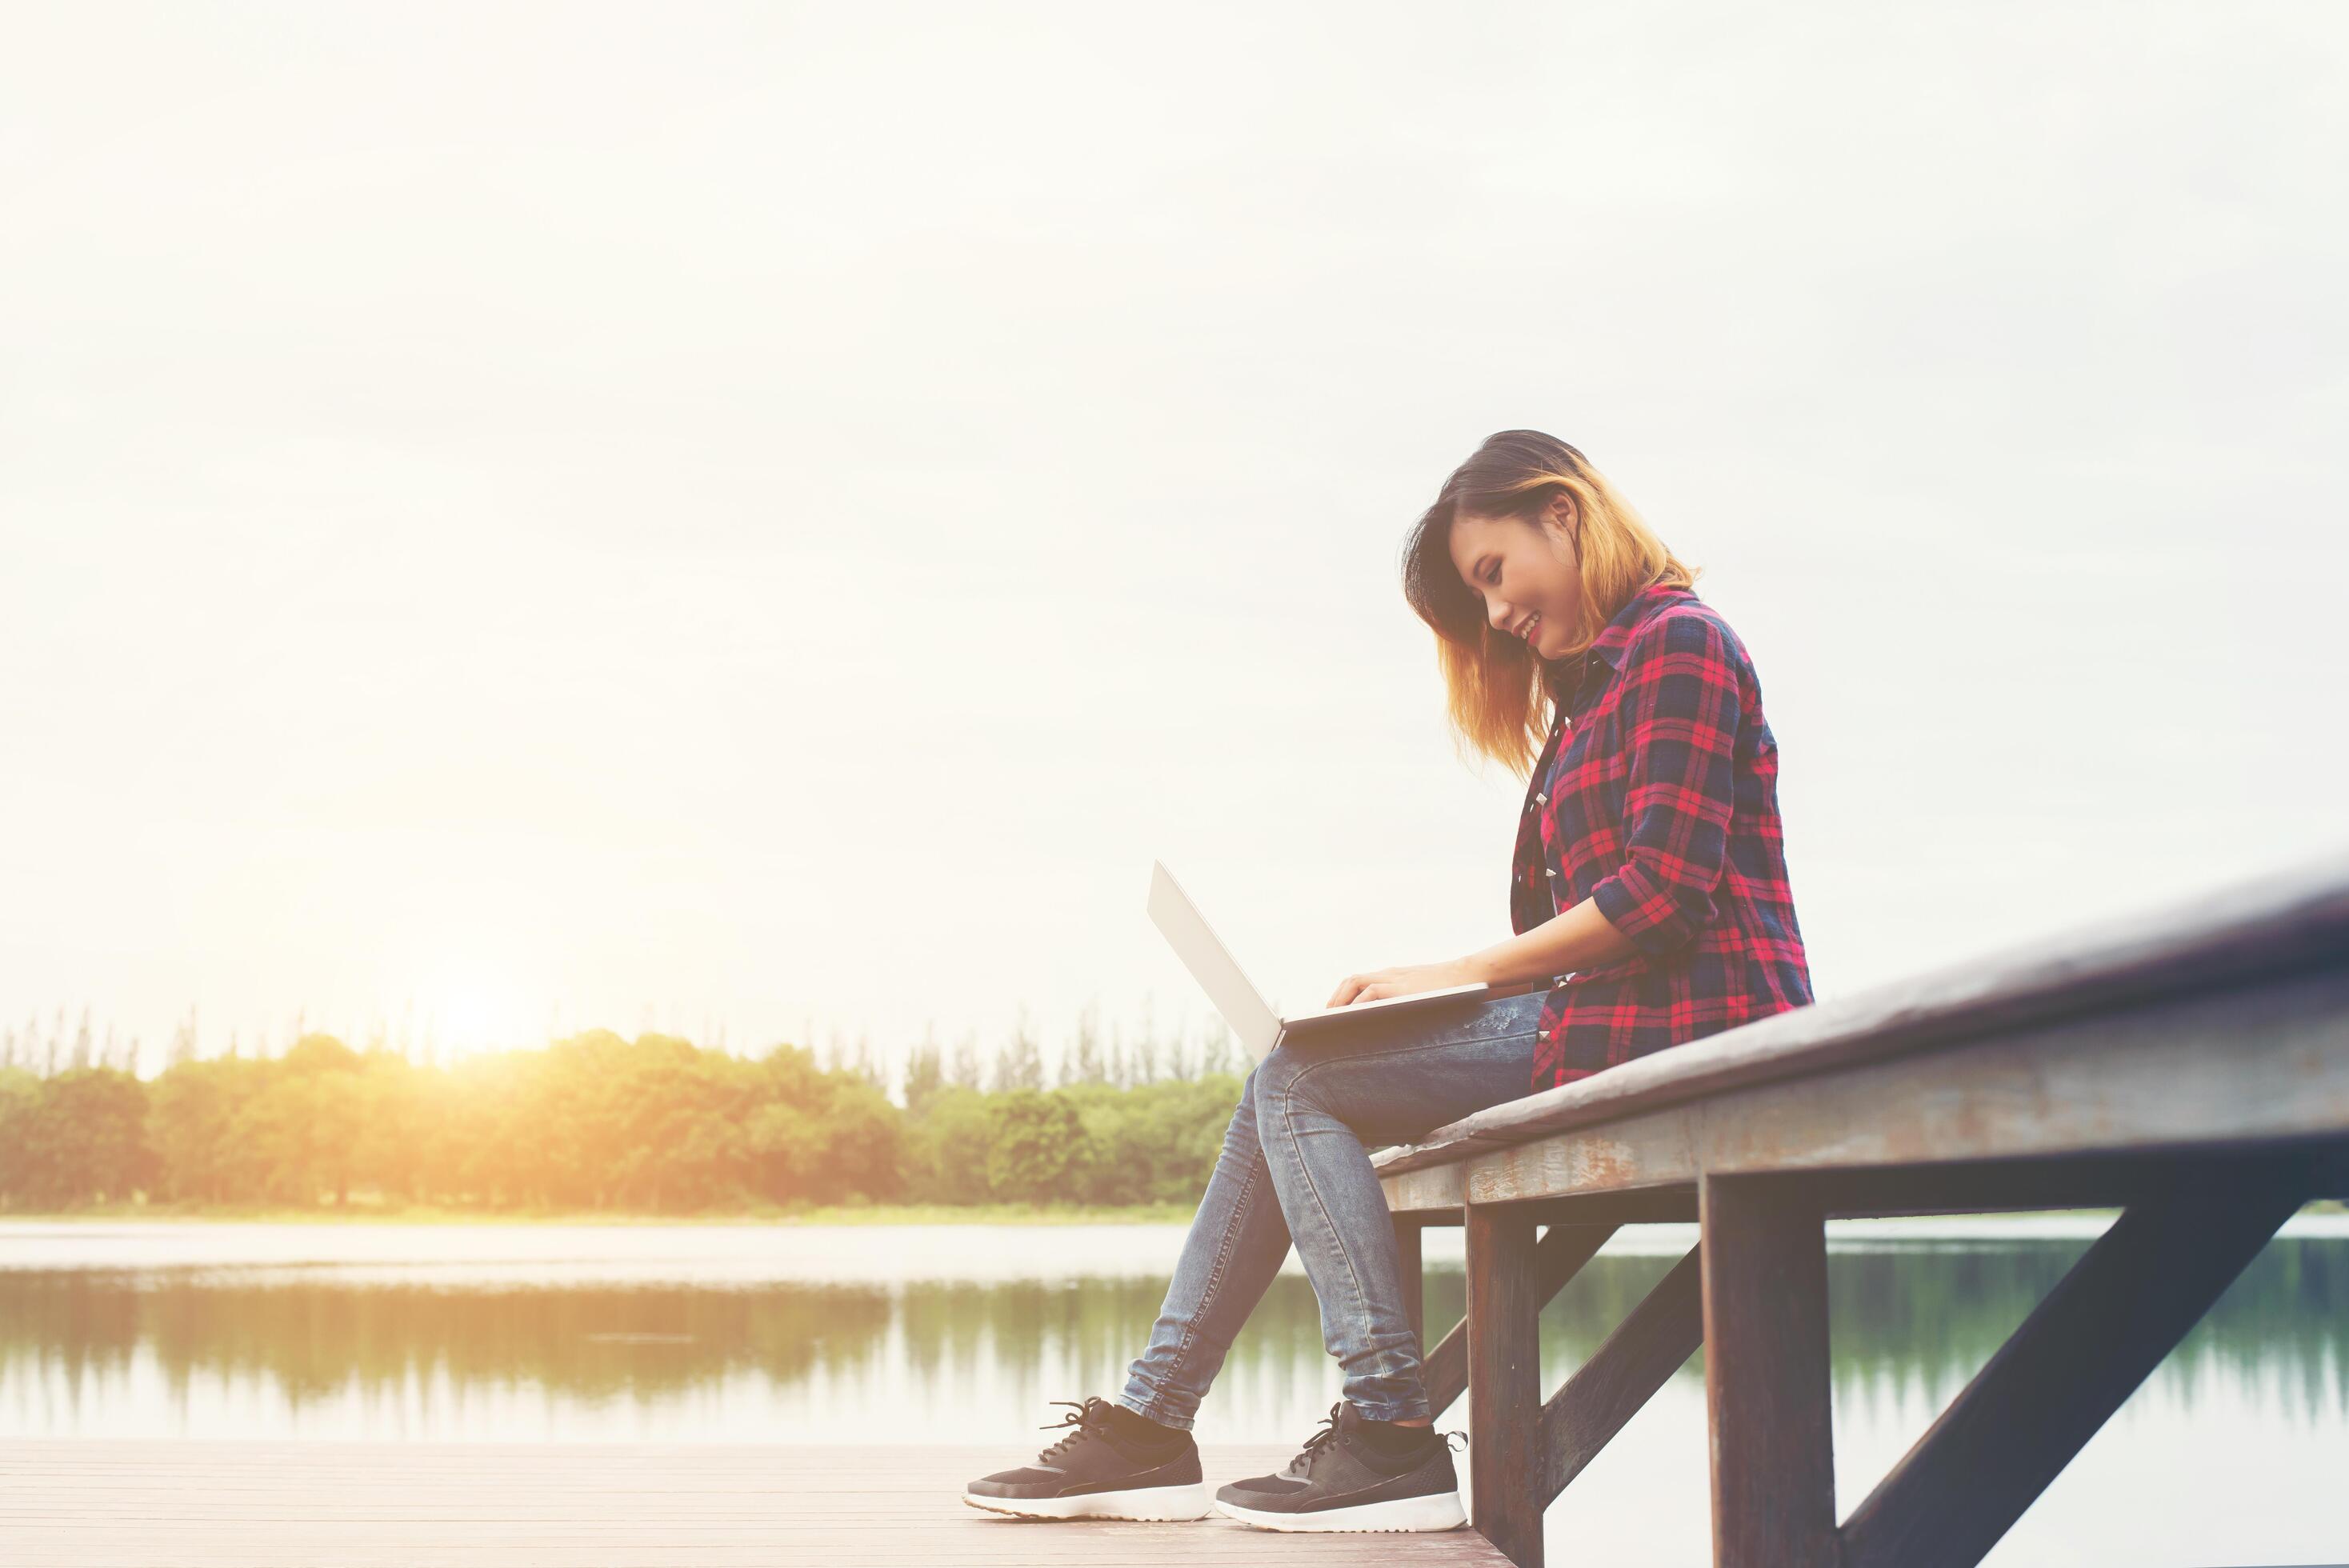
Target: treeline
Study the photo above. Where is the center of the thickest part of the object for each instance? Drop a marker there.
(596, 1122)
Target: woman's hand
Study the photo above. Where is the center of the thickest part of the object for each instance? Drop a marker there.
(1403, 981)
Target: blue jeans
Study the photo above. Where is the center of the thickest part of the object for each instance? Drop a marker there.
(1296, 1165)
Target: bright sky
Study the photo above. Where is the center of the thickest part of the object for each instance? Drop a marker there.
(554, 515)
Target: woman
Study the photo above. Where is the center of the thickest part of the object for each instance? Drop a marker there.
(1649, 899)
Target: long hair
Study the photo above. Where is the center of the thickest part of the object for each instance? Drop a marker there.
(1500, 702)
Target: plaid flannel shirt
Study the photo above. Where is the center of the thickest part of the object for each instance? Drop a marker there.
(1657, 795)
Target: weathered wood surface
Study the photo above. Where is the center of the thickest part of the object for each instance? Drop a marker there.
(2242, 940)
(2074, 1362)
(150, 1504)
(1559, 1256)
(1503, 1321)
(2210, 1072)
(1623, 1374)
(1767, 1388)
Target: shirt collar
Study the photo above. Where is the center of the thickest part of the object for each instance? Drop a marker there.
(1616, 635)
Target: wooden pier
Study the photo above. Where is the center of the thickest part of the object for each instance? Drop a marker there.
(2191, 1069)
(81, 1503)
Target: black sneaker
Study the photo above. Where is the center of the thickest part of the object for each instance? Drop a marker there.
(1347, 1481)
(1115, 1465)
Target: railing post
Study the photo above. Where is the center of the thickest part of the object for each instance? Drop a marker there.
(1766, 1379)
(1506, 1462)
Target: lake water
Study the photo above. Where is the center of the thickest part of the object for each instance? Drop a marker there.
(2235, 1451)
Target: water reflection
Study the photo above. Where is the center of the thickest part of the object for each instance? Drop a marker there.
(612, 1329)
(963, 1334)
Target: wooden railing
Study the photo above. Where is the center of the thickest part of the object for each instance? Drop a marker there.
(2191, 1069)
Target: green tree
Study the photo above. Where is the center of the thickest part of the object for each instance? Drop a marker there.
(83, 1138)
(821, 1136)
(338, 1108)
(20, 1099)
(964, 1072)
(1021, 1064)
(1036, 1140)
(924, 1075)
(947, 1157)
(391, 1152)
(275, 1149)
(191, 1117)
(1082, 1063)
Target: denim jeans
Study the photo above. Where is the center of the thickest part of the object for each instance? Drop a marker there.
(1296, 1166)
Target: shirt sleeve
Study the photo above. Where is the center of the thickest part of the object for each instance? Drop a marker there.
(1679, 721)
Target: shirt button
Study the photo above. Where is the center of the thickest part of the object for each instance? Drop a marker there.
(1541, 800)
(1553, 871)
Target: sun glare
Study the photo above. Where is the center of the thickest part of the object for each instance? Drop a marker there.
(472, 1011)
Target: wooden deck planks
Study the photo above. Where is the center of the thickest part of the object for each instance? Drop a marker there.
(2204, 1077)
(153, 1503)
(2220, 940)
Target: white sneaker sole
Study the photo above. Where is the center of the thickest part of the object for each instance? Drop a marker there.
(1147, 1505)
(1437, 1511)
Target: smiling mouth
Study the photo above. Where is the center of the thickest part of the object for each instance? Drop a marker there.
(1526, 631)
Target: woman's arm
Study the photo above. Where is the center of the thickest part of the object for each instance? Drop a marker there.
(1573, 939)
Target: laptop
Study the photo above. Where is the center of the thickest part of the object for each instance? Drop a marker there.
(1243, 1006)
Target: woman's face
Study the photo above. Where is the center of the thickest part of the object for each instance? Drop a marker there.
(1528, 572)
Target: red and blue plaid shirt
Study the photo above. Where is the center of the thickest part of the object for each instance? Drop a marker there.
(1657, 795)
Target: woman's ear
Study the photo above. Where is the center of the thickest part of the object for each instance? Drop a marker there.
(1566, 518)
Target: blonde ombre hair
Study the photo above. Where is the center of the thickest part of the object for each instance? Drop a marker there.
(1501, 703)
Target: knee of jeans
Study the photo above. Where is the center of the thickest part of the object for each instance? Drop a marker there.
(1274, 1077)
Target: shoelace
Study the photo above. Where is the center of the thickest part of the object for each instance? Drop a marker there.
(1303, 1463)
(1090, 1415)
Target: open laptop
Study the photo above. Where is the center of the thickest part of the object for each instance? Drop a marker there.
(1243, 1006)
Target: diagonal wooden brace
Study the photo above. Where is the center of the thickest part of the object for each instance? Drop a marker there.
(1623, 1374)
(2103, 1329)
(1559, 1256)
